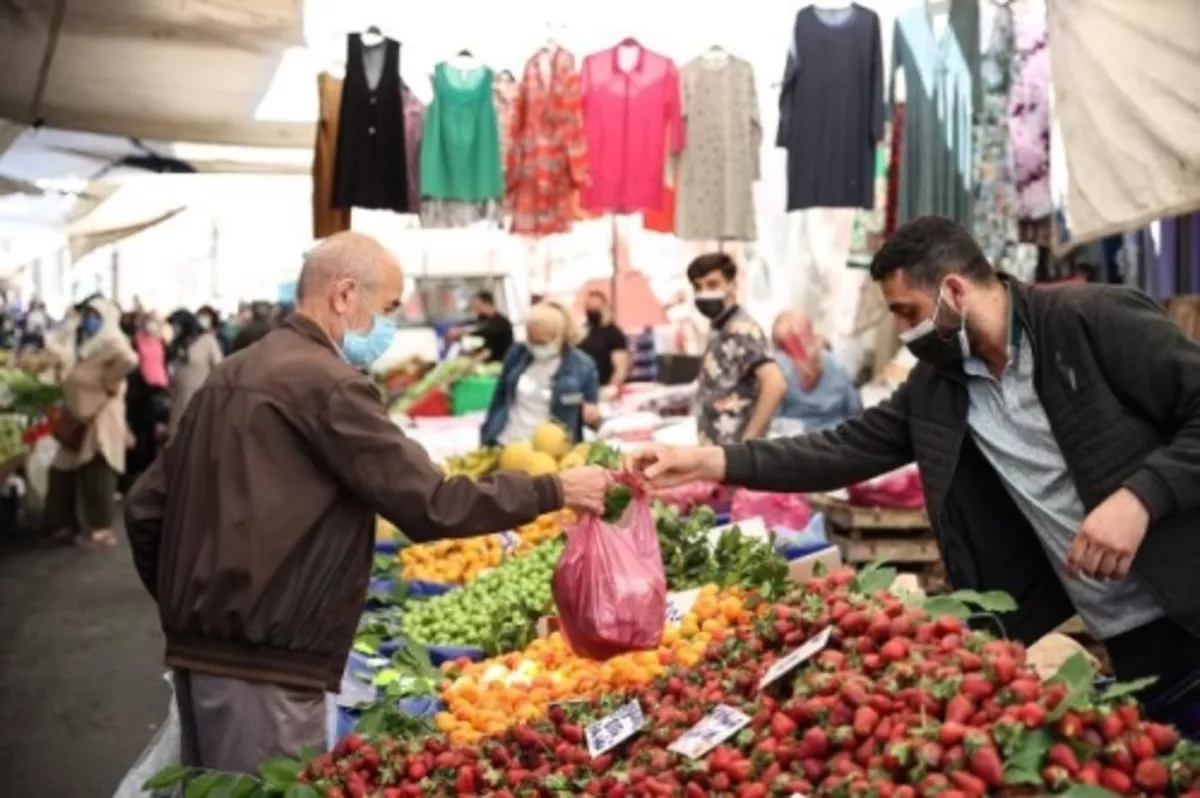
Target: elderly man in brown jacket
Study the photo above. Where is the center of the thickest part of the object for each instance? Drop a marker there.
(254, 528)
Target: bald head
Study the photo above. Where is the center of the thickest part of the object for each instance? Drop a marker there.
(791, 322)
(347, 280)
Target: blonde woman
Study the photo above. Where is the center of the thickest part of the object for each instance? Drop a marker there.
(546, 377)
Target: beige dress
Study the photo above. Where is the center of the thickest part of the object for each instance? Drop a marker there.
(203, 355)
(720, 160)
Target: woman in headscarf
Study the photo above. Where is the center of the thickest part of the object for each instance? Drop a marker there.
(820, 393)
(84, 477)
(194, 353)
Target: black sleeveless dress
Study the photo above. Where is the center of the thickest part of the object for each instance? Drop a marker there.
(370, 170)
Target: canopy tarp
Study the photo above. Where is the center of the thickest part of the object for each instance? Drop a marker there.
(1126, 92)
(156, 69)
(106, 213)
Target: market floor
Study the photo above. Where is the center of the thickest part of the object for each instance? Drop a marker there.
(81, 691)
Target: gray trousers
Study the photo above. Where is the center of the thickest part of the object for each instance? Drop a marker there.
(231, 725)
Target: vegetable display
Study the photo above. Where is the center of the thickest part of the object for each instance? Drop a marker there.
(462, 560)
(497, 612)
(890, 701)
(12, 430)
(488, 697)
(691, 558)
(24, 394)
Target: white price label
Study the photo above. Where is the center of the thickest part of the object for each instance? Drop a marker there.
(509, 541)
(607, 733)
(713, 729)
(790, 661)
(679, 604)
(753, 528)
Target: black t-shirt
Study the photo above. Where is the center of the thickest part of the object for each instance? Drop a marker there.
(497, 334)
(599, 344)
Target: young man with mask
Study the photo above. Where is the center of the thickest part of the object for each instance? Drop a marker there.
(741, 386)
(492, 326)
(1057, 431)
(254, 530)
(605, 344)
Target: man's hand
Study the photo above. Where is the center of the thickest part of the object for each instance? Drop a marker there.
(1108, 540)
(592, 415)
(666, 467)
(584, 488)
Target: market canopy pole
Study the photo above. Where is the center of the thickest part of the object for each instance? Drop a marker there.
(56, 22)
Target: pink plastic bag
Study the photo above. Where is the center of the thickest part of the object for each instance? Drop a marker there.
(609, 585)
(897, 490)
(777, 510)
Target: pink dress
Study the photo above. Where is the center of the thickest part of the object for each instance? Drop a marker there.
(631, 120)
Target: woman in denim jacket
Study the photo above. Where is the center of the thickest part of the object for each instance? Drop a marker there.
(546, 378)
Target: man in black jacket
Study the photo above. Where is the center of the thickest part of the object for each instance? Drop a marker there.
(1057, 432)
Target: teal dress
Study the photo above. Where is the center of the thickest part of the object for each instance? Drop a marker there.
(460, 151)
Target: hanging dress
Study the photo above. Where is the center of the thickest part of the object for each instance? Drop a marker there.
(371, 171)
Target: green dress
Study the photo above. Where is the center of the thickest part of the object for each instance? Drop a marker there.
(460, 151)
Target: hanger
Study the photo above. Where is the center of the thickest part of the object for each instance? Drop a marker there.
(629, 41)
(372, 36)
(465, 53)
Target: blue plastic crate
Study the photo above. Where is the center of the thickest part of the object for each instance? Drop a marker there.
(386, 546)
(443, 653)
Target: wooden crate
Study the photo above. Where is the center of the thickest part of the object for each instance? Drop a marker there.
(864, 534)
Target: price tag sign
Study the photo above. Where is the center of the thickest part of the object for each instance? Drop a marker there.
(607, 733)
(713, 729)
(791, 660)
(680, 603)
(509, 541)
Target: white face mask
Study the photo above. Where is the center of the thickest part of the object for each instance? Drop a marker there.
(204, 322)
(543, 352)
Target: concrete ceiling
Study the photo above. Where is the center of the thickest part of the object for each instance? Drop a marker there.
(167, 70)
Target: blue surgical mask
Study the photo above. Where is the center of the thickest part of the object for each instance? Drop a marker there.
(90, 325)
(363, 349)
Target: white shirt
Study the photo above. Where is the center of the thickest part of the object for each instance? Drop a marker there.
(531, 406)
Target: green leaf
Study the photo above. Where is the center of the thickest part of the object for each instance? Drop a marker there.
(169, 776)
(1087, 791)
(1123, 689)
(206, 785)
(367, 644)
(991, 601)
(279, 772)
(237, 786)
(944, 605)
(301, 791)
(1077, 674)
(385, 677)
(871, 579)
(1025, 764)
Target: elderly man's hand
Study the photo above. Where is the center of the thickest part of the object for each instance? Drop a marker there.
(1109, 538)
(584, 488)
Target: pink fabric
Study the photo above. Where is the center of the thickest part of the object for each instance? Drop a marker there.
(1029, 119)
(152, 359)
(631, 119)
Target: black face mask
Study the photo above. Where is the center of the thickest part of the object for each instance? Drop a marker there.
(931, 345)
(710, 306)
(594, 317)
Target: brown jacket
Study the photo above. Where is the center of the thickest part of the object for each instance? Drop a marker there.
(254, 528)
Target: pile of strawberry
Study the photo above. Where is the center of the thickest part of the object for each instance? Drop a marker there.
(898, 705)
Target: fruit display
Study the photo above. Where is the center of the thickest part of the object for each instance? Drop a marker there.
(487, 697)
(549, 451)
(496, 612)
(896, 704)
(439, 376)
(476, 465)
(462, 560)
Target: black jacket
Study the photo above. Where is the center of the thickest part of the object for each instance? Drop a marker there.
(1120, 384)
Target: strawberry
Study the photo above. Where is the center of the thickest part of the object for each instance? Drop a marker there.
(1119, 757)
(782, 726)
(951, 732)
(571, 733)
(739, 771)
(601, 763)
(1004, 670)
(985, 763)
(1033, 716)
(865, 721)
(1141, 747)
(1025, 690)
(1111, 726)
(1069, 725)
(971, 784)
(1089, 773)
(1151, 776)
(1060, 754)
(1130, 715)
(465, 782)
(1055, 777)
(959, 709)
(1115, 780)
(976, 687)
(1164, 737)
(894, 650)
